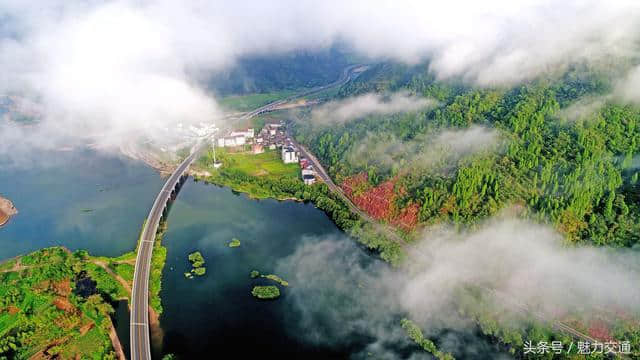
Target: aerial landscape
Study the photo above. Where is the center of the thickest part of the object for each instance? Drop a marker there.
(320, 180)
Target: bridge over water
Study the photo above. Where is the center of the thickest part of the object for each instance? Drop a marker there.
(139, 321)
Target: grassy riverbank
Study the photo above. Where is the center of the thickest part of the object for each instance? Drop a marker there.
(246, 173)
(238, 167)
(158, 259)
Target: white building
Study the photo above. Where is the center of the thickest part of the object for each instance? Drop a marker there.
(289, 155)
(240, 140)
(246, 133)
(309, 179)
(231, 141)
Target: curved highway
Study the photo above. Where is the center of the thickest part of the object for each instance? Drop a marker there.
(139, 320)
(347, 74)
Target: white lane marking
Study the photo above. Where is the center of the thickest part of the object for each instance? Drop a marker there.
(138, 324)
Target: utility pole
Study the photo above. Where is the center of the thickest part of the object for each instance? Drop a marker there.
(216, 164)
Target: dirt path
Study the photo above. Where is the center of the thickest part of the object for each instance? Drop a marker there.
(115, 341)
(154, 319)
(16, 267)
(120, 279)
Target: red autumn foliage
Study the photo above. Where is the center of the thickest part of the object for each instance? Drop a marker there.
(375, 201)
(408, 217)
(598, 329)
(63, 304)
(353, 184)
(378, 201)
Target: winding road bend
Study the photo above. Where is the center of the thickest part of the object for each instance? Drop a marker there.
(139, 321)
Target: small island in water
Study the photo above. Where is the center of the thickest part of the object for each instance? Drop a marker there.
(266, 292)
(197, 262)
(234, 243)
(255, 273)
(7, 210)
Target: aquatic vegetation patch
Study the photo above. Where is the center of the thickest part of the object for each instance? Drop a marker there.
(197, 262)
(266, 292)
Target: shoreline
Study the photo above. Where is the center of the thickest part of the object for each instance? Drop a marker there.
(199, 178)
(7, 211)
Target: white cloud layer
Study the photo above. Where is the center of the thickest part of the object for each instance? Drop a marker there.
(520, 268)
(368, 104)
(436, 152)
(113, 70)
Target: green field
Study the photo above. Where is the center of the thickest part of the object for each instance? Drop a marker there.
(268, 164)
(239, 168)
(124, 270)
(253, 101)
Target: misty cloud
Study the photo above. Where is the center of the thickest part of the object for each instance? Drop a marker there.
(527, 264)
(583, 108)
(369, 104)
(629, 87)
(438, 151)
(106, 75)
(121, 70)
(514, 263)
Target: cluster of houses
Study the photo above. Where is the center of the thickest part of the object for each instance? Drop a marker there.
(291, 155)
(272, 136)
(237, 138)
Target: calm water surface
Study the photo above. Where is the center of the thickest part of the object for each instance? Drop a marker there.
(216, 312)
(328, 311)
(86, 200)
(78, 199)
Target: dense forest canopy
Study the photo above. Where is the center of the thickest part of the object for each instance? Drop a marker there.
(578, 172)
(289, 71)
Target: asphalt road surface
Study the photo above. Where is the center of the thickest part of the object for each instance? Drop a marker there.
(139, 321)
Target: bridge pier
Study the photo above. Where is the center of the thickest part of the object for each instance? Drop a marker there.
(173, 195)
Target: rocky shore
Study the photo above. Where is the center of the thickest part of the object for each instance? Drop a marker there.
(7, 210)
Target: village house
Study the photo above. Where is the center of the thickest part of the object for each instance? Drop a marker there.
(289, 155)
(257, 148)
(236, 138)
(246, 133)
(231, 141)
(309, 179)
(304, 162)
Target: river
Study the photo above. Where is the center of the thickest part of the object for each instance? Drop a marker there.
(80, 199)
(87, 200)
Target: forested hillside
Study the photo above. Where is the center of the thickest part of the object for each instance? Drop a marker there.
(262, 74)
(578, 172)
